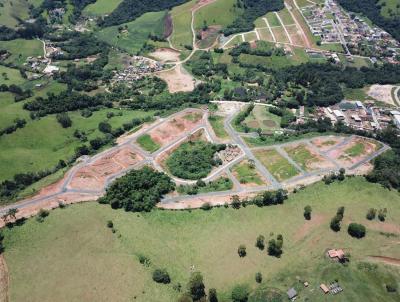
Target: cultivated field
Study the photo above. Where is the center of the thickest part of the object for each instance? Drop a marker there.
(101, 7)
(83, 251)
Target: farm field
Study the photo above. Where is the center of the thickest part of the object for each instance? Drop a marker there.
(137, 33)
(220, 12)
(390, 6)
(10, 76)
(260, 117)
(181, 19)
(101, 7)
(42, 143)
(280, 34)
(21, 49)
(12, 10)
(285, 17)
(279, 166)
(83, 251)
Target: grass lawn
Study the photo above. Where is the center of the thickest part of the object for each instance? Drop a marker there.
(90, 263)
(220, 12)
(42, 143)
(279, 166)
(146, 142)
(247, 174)
(13, 10)
(357, 94)
(286, 17)
(301, 155)
(20, 49)
(260, 117)
(181, 19)
(217, 123)
(137, 34)
(273, 19)
(356, 150)
(390, 5)
(10, 76)
(235, 41)
(101, 7)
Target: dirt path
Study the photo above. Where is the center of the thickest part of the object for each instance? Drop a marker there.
(386, 260)
(4, 280)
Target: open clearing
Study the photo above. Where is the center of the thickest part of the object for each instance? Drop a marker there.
(178, 79)
(90, 263)
(382, 93)
(248, 174)
(101, 7)
(165, 55)
(261, 118)
(279, 166)
(145, 141)
(217, 123)
(307, 159)
(21, 49)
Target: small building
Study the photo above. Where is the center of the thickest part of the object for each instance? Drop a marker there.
(324, 288)
(339, 114)
(356, 118)
(359, 105)
(336, 254)
(292, 293)
(396, 120)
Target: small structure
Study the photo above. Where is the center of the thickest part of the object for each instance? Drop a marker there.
(339, 114)
(336, 254)
(324, 288)
(292, 294)
(306, 284)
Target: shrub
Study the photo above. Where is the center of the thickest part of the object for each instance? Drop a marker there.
(260, 242)
(307, 212)
(242, 250)
(206, 206)
(382, 214)
(212, 295)
(391, 288)
(356, 230)
(275, 246)
(258, 277)
(110, 224)
(42, 215)
(240, 293)
(235, 202)
(161, 276)
(335, 223)
(144, 260)
(371, 214)
(105, 127)
(64, 120)
(196, 286)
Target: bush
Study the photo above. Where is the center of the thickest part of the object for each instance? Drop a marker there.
(110, 224)
(258, 277)
(391, 288)
(196, 286)
(307, 213)
(161, 276)
(144, 260)
(206, 206)
(242, 251)
(212, 295)
(260, 242)
(42, 215)
(335, 223)
(235, 202)
(371, 214)
(275, 246)
(356, 230)
(105, 127)
(240, 293)
(64, 120)
(382, 214)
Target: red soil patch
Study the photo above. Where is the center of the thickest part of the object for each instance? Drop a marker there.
(201, 3)
(168, 26)
(326, 143)
(94, 176)
(387, 260)
(173, 129)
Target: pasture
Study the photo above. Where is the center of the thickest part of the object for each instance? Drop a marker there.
(247, 174)
(261, 118)
(217, 123)
(90, 263)
(182, 19)
(21, 49)
(147, 143)
(220, 12)
(13, 10)
(101, 7)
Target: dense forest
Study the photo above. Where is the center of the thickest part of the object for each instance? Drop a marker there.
(129, 10)
(252, 10)
(138, 191)
(372, 9)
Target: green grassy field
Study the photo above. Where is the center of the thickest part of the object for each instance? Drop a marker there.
(302, 156)
(217, 123)
(273, 20)
(246, 174)
(42, 143)
(391, 6)
(146, 142)
(101, 7)
(137, 34)
(12, 10)
(21, 49)
(286, 17)
(279, 166)
(260, 117)
(356, 150)
(10, 76)
(90, 263)
(220, 12)
(182, 18)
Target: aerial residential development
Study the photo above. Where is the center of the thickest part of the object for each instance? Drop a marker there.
(199, 150)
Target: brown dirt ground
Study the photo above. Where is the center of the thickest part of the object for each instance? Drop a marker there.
(4, 280)
(94, 176)
(382, 93)
(309, 225)
(326, 143)
(340, 153)
(387, 260)
(178, 79)
(200, 3)
(171, 130)
(315, 162)
(166, 55)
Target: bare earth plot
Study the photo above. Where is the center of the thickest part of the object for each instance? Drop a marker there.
(327, 142)
(248, 175)
(178, 79)
(165, 55)
(382, 93)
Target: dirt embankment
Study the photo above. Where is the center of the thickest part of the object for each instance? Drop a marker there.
(4, 280)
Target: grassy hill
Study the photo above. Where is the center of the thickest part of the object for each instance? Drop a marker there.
(73, 256)
(11, 11)
(101, 7)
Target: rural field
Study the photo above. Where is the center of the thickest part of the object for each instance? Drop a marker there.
(81, 249)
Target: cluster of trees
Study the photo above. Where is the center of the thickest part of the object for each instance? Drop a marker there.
(242, 115)
(330, 178)
(263, 51)
(161, 276)
(194, 159)
(196, 290)
(287, 117)
(129, 10)
(20, 94)
(205, 67)
(356, 230)
(275, 246)
(138, 191)
(18, 123)
(372, 9)
(252, 9)
(264, 199)
(371, 214)
(324, 81)
(26, 30)
(220, 184)
(337, 219)
(64, 120)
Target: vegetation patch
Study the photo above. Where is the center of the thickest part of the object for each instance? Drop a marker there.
(138, 191)
(276, 164)
(217, 123)
(247, 173)
(220, 184)
(147, 143)
(303, 156)
(194, 159)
